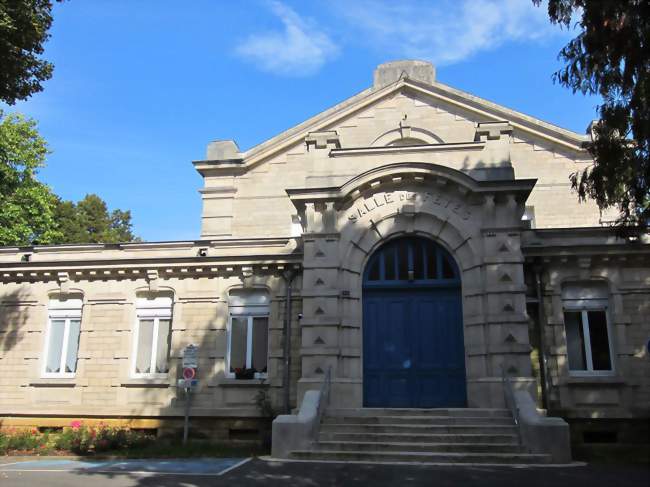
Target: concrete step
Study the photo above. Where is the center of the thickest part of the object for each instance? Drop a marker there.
(422, 420)
(510, 439)
(467, 435)
(421, 457)
(371, 446)
(483, 429)
(454, 412)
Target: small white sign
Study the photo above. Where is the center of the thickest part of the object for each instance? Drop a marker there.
(187, 383)
(191, 357)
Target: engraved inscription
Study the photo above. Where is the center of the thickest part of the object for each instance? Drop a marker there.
(367, 205)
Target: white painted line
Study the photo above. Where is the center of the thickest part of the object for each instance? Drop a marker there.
(236, 465)
(117, 471)
(149, 473)
(32, 470)
(130, 472)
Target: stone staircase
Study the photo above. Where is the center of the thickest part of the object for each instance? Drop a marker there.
(485, 436)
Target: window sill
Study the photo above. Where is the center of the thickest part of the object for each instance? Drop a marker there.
(230, 382)
(595, 379)
(54, 382)
(146, 382)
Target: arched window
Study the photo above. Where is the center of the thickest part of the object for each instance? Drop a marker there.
(411, 260)
(407, 141)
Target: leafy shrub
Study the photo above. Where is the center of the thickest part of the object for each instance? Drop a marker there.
(23, 440)
(78, 438)
(263, 402)
(82, 439)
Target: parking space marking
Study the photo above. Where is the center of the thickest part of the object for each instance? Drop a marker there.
(189, 467)
(236, 465)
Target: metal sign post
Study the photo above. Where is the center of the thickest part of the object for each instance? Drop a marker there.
(189, 382)
(186, 423)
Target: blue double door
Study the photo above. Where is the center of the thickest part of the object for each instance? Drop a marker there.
(413, 347)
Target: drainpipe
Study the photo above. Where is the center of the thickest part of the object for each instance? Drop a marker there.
(542, 342)
(286, 379)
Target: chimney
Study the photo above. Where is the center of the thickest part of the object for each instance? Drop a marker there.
(388, 73)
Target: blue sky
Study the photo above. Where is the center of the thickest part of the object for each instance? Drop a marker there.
(141, 86)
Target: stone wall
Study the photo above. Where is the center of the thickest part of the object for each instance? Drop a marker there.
(103, 385)
(625, 391)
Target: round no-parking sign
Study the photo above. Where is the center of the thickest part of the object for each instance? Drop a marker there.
(189, 373)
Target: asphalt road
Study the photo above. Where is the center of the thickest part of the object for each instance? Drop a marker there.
(269, 474)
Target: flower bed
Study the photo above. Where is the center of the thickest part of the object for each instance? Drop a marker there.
(77, 439)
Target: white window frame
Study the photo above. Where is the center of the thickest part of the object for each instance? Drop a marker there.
(156, 314)
(584, 310)
(67, 315)
(249, 343)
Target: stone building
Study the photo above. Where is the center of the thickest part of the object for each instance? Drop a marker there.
(420, 243)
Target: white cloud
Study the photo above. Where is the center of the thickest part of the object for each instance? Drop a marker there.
(300, 49)
(447, 31)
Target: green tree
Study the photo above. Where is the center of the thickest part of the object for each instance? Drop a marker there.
(89, 221)
(121, 227)
(65, 214)
(610, 57)
(26, 205)
(24, 26)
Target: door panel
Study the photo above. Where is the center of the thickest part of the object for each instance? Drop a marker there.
(387, 367)
(413, 348)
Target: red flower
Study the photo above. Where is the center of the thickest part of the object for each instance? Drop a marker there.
(75, 425)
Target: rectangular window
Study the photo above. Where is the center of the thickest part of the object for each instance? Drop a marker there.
(152, 337)
(248, 344)
(588, 346)
(248, 330)
(588, 340)
(62, 338)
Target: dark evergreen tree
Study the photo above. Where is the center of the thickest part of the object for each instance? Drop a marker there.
(89, 221)
(610, 57)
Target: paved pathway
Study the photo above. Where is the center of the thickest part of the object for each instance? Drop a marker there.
(220, 472)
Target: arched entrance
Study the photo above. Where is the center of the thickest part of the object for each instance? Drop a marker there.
(413, 349)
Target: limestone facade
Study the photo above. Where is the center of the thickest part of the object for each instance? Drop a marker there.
(407, 157)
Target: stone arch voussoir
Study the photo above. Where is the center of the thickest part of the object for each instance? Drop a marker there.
(358, 245)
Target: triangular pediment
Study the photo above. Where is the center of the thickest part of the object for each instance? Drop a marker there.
(399, 100)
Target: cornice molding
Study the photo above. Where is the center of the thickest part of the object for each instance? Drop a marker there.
(146, 259)
(564, 243)
(250, 242)
(161, 270)
(403, 173)
(364, 151)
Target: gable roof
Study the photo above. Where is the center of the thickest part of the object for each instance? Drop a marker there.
(436, 90)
